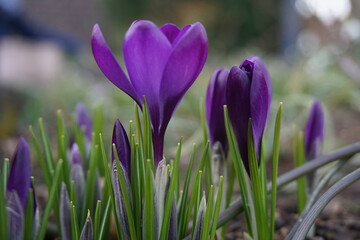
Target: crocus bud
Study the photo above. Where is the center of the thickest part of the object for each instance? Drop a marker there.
(20, 172)
(77, 174)
(215, 101)
(83, 120)
(65, 214)
(121, 141)
(249, 96)
(314, 131)
(87, 232)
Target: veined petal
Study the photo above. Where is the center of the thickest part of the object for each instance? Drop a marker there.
(171, 31)
(65, 214)
(15, 215)
(109, 66)
(314, 131)
(146, 51)
(20, 172)
(238, 102)
(183, 67)
(215, 100)
(121, 141)
(260, 99)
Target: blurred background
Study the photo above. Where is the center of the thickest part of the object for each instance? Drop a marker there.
(311, 47)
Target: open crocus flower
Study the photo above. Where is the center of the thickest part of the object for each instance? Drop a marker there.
(215, 101)
(314, 131)
(249, 96)
(162, 64)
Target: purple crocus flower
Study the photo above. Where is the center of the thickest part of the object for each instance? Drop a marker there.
(20, 172)
(249, 96)
(122, 145)
(314, 131)
(162, 64)
(215, 101)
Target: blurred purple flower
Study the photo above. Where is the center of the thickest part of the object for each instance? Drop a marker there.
(122, 145)
(249, 96)
(314, 131)
(215, 101)
(20, 172)
(84, 121)
(162, 64)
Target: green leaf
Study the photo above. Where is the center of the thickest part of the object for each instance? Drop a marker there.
(149, 223)
(5, 174)
(3, 212)
(257, 188)
(50, 201)
(105, 222)
(217, 207)
(299, 161)
(239, 170)
(29, 216)
(182, 222)
(108, 183)
(97, 220)
(148, 149)
(74, 221)
(208, 215)
(44, 166)
(275, 164)
(49, 158)
(125, 194)
(170, 195)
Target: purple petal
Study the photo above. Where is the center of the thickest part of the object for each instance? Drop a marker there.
(183, 67)
(171, 31)
(75, 155)
(121, 141)
(238, 102)
(15, 216)
(83, 120)
(314, 131)
(65, 214)
(77, 175)
(260, 98)
(146, 51)
(109, 66)
(20, 172)
(215, 100)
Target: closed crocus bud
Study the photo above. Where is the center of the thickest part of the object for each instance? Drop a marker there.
(249, 96)
(20, 172)
(77, 174)
(215, 101)
(314, 131)
(122, 145)
(162, 64)
(84, 121)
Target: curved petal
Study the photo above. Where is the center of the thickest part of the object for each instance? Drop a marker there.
(20, 172)
(122, 145)
(146, 51)
(171, 31)
(215, 100)
(238, 102)
(183, 67)
(108, 64)
(314, 131)
(260, 99)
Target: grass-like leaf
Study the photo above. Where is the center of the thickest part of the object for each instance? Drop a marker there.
(299, 161)
(125, 194)
(208, 215)
(74, 221)
(50, 201)
(3, 212)
(217, 207)
(29, 216)
(239, 169)
(323, 201)
(5, 174)
(149, 220)
(97, 220)
(275, 164)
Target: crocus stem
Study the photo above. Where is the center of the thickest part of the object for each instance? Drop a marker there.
(158, 147)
